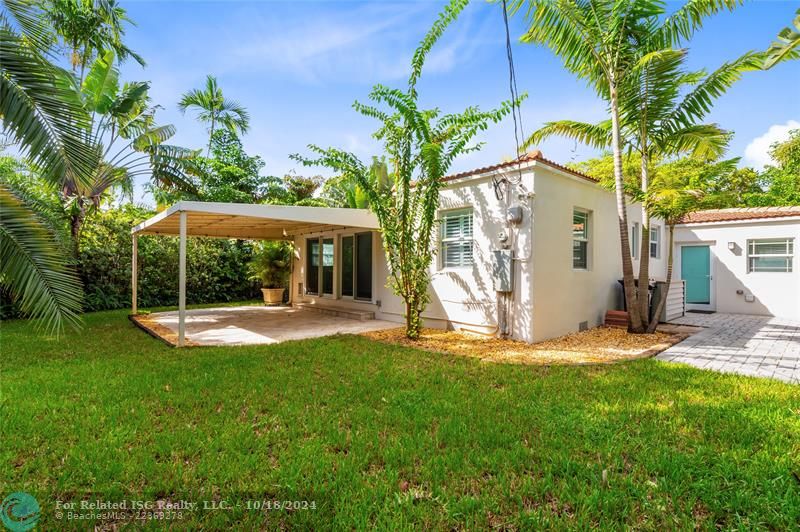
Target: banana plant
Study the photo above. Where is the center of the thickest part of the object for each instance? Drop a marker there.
(126, 141)
(348, 193)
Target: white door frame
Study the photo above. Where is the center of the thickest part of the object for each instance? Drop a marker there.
(712, 268)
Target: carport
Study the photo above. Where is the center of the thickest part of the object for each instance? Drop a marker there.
(237, 221)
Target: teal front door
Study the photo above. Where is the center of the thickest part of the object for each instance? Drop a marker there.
(696, 273)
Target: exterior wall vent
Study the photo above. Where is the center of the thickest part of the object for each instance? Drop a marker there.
(583, 326)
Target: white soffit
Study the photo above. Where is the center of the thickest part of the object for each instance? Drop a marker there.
(247, 221)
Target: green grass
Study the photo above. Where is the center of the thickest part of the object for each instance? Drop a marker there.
(392, 437)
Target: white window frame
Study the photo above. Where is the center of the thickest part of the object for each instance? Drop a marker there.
(587, 237)
(462, 238)
(634, 239)
(788, 243)
(655, 229)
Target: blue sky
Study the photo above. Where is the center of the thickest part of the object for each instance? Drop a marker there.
(298, 66)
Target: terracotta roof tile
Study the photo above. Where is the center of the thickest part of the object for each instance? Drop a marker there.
(741, 213)
(532, 156)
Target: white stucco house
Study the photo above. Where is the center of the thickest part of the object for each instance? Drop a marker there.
(558, 264)
(741, 261)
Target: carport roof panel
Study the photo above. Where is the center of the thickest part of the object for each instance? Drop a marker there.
(240, 220)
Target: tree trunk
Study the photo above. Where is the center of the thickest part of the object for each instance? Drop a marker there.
(75, 225)
(644, 250)
(413, 320)
(210, 137)
(651, 328)
(631, 299)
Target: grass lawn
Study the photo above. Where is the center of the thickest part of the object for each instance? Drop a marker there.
(380, 435)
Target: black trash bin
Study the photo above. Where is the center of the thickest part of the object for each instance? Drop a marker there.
(651, 286)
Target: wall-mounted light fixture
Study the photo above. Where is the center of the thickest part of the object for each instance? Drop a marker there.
(732, 246)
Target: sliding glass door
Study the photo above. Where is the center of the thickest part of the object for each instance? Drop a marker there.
(347, 270)
(353, 262)
(355, 272)
(363, 260)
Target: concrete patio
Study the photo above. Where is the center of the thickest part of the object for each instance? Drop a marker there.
(759, 346)
(250, 325)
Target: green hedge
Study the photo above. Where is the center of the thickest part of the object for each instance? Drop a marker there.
(216, 269)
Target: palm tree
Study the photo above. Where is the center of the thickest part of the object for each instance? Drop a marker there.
(214, 109)
(88, 28)
(613, 44)
(659, 122)
(41, 113)
(672, 195)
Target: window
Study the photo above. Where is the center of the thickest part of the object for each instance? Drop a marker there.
(770, 255)
(655, 242)
(634, 238)
(580, 240)
(312, 266)
(456, 248)
(347, 266)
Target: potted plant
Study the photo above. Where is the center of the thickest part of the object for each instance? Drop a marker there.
(270, 265)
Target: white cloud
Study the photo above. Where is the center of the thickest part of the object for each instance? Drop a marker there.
(757, 152)
(371, 42)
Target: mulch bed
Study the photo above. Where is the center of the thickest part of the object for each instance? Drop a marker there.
(601, 345)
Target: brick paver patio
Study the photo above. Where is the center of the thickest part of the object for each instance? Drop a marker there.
(760, 346)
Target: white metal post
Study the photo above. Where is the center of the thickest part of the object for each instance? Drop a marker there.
(182, 281)
(134, 274)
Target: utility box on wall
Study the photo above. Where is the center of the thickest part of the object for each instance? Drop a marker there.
(502, 272)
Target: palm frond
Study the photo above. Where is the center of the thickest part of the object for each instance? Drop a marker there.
(29, 20)
(33, 267)
(194, 98)
(698, 102)
(787, 45)
(594, 135)
(683, 23)
(702, 141)
(564, 29)
(41, 110)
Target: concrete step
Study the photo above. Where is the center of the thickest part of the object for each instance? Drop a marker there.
(360, 315)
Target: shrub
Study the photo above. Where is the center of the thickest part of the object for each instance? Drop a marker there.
(216, 269)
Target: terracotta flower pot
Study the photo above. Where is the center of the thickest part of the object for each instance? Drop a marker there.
(273, 296)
